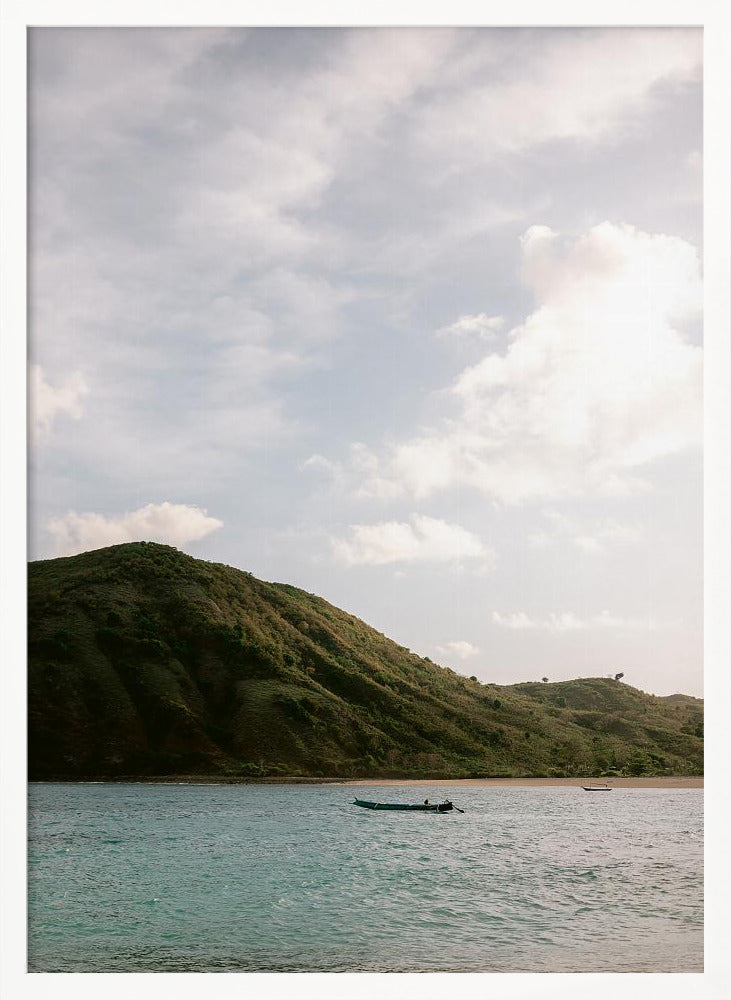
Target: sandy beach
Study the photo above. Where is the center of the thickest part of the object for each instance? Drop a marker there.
(656, 782)
(200, 779)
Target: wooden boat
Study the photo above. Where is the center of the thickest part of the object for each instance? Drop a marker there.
(597, 788)
(437, 807)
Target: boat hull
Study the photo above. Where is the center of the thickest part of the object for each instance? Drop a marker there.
(437, 807)
(593, 788)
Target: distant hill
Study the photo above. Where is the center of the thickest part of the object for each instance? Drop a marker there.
(144, 661)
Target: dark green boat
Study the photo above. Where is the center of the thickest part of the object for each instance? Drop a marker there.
(436, 807)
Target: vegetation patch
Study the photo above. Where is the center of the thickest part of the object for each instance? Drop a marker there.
(144, 661)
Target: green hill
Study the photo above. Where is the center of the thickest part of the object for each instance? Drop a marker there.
(145, 661)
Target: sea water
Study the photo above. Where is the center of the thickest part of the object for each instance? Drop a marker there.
(295, 878)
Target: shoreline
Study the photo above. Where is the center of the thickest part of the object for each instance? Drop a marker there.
(659, 781)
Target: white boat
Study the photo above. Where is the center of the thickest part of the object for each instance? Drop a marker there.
(597, 788)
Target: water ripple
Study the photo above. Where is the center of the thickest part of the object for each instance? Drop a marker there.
(292, 878)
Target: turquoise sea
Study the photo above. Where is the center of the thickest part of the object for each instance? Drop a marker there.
(294, 878)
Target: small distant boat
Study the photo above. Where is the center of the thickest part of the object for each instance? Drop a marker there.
(597, 788)
(437, 807)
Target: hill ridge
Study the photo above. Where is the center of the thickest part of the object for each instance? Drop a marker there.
(144, 660)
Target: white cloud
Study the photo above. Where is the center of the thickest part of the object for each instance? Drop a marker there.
(365, 468)
(514, 620)
(318, 463)
(206, 274)
(173, 524)
(248, 162)
(578, 85)
(482, 326)
(426, 539)
(460, 648)
(285, 145)
(569, 622)
(47, 402)
(360, 475)
(594, 538)
(595, 384)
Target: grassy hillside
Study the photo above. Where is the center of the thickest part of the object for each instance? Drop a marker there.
(145, 661)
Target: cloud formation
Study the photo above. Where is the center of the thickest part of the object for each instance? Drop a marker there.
(172, 524)
(47, 402)
(482, 326)
(460, 648)
(584, 86)
(229, 202)
(567, 621)
(594, 538)
(595, 384)
(425, 539)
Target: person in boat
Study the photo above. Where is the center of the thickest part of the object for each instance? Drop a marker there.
(426, 802)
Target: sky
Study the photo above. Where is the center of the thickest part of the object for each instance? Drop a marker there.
(409, 318)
